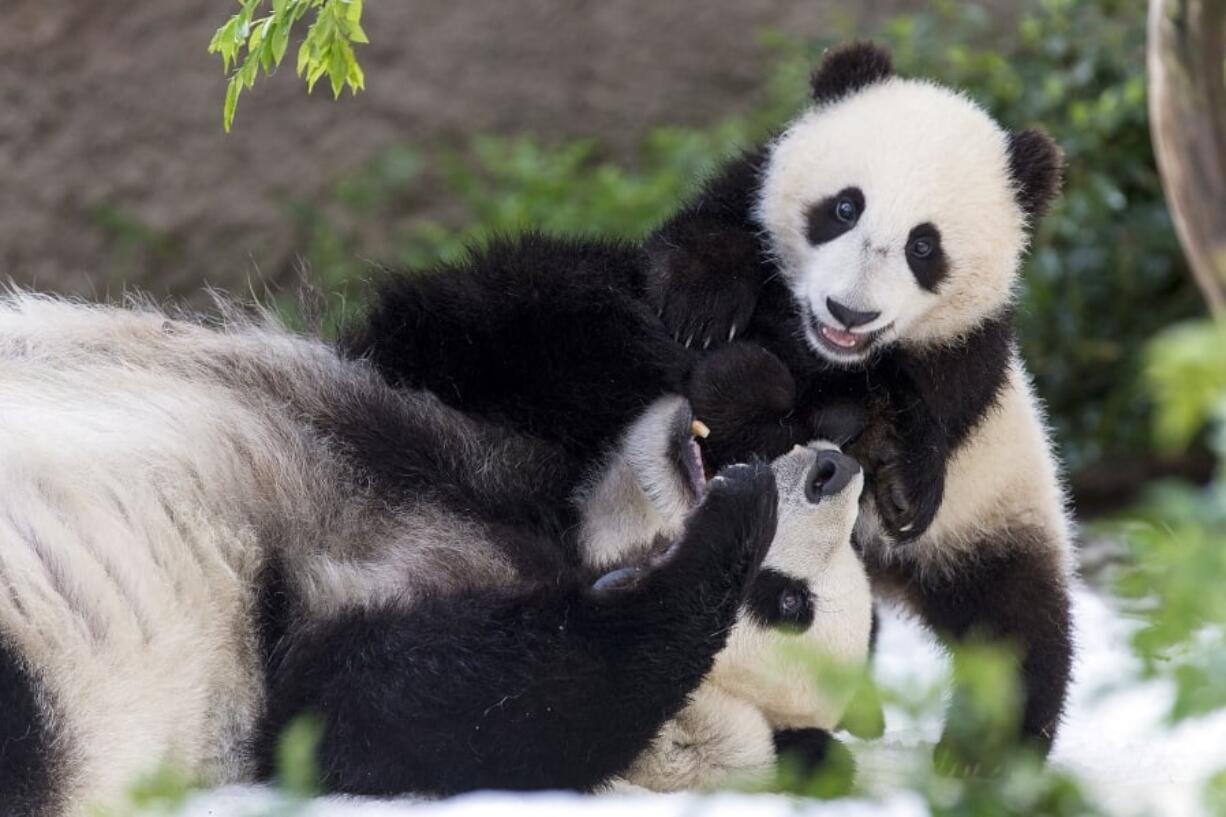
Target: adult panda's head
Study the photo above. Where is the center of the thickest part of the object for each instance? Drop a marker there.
(641, 494)
(812, 584)
(898, 209)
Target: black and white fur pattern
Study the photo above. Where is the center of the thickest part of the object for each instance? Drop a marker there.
(873, 249)
(569, 340)
(207, 532)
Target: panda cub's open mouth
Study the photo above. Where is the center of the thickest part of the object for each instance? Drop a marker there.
(841, 342)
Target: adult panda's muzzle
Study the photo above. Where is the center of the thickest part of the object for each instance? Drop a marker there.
(830, 474)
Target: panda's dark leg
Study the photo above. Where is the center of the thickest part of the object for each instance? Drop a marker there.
(29, 758)
(548, 336)
(1018, 596)
(557, 687)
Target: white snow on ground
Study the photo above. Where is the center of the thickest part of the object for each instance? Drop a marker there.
(1114, 740)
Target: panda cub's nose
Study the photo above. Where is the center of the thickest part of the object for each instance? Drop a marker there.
(830, 474)
(851, 318)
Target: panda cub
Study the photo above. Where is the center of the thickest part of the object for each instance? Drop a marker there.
(872, 249)
(208, 532)
(811, 589)
(852, 280)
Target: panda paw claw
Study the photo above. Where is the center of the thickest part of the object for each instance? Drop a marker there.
(699, 305)
(907, 501)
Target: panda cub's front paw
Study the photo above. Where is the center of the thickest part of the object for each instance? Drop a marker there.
(907, 494)
(704, 294)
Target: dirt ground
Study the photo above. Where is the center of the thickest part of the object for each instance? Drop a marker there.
(114, 168)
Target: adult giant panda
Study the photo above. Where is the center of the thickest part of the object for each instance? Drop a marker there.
(895, 209)
(208, 532)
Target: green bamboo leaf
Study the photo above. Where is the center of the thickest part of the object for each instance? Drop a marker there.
(304, 57)
(233, 89)
(338, 66)
(357, 34)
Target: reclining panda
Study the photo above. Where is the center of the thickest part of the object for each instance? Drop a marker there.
(865, 264)
(209, 532)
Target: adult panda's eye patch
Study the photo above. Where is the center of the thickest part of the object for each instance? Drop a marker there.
(832, 216)
(779, 600)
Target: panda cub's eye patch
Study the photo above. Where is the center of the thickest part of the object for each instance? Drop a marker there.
(831, 217)
(925, 257)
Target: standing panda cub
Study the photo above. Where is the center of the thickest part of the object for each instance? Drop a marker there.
(811, 590)
(870, 256)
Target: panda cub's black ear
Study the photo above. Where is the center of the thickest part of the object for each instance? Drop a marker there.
(1036, 165)
(849, 68)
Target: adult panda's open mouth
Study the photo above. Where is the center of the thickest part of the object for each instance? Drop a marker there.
(688, 453)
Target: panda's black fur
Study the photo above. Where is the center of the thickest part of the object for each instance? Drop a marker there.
(561, 338)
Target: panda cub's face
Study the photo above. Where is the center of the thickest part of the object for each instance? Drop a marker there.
(897, 208)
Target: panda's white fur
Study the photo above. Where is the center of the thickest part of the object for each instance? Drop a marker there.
(726, 733)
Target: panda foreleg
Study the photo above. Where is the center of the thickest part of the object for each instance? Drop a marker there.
(708, 263)
(548, 336)
(1018, 596)
(560, 686)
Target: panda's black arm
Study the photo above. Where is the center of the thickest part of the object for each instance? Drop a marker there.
(549, 336)
(708, 262)
(561, 686)
(1013, 592)
(922, 407)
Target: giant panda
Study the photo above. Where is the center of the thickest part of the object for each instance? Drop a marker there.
(210, 531)
(207, 532)
(873, 249)
(854, 280)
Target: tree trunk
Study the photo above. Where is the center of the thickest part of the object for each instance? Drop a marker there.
(1187, 104)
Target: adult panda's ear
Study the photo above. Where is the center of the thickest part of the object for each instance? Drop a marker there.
(849, 68)
(1036, 165)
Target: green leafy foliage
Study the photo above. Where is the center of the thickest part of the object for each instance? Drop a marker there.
(249, 43)
(1178, 536)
